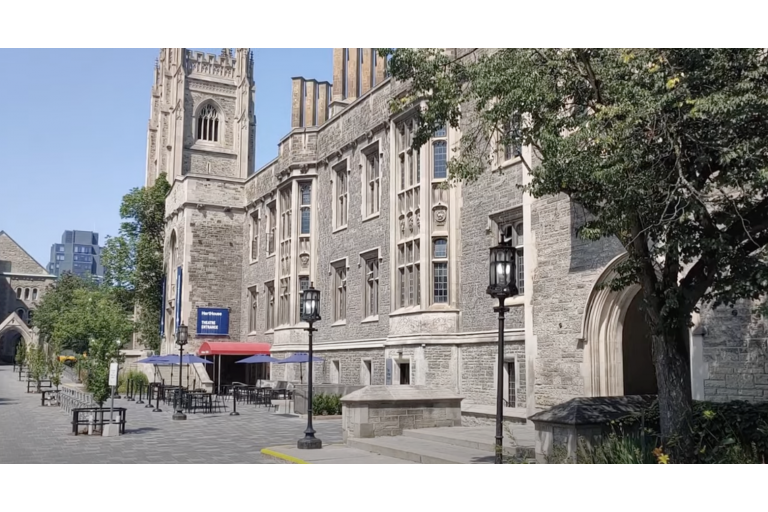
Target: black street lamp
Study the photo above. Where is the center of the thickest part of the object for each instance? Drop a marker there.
(501, 284)
(181, 340)
(310, 313)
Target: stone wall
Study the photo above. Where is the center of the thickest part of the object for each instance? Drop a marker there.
(736, 354)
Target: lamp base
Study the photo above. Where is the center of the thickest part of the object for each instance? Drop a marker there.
(309, 443)
(234, 413)
(179, 416)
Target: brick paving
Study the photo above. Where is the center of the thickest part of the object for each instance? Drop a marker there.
(30, 433)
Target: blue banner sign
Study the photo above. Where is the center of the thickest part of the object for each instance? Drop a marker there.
(178, 300)
(212, 322)
(162, 312)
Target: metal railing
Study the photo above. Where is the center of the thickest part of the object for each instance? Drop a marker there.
(72, 398)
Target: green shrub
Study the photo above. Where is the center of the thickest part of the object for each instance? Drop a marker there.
(134, 376)
(326, 404)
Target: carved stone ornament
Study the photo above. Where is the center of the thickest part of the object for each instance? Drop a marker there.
(339, 154)
(410, 224)
(418, 220)
(440, 216)
(304, 168)
(304, 258)
(369, 135)
(402, 227)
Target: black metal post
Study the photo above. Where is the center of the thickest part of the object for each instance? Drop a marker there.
(141, 393)
(310, 442)
(500, 383)
(129, 390)
(179, 414)
(157, 400)
(234, 402)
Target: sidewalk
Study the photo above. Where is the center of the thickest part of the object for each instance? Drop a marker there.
(328, 454)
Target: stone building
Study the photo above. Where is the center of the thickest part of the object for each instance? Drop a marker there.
(400, 259)
(23, 282)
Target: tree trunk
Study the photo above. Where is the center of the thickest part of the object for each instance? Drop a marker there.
(673, 376)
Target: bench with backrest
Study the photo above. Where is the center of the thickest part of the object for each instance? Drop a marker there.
(44, 384)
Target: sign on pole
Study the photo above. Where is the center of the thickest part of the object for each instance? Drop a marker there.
(113, 374)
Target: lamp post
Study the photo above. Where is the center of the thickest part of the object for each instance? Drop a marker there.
(501, 284)
(181, 340)
(310, 313)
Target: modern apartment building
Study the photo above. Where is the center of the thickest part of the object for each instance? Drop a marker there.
(79, 253)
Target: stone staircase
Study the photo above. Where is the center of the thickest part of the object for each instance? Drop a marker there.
(452, 445)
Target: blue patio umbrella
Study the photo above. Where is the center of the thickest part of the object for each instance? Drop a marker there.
(150, 360)
(301, 357)
(185, 359)
(258, 358)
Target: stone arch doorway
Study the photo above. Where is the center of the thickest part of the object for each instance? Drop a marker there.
(13, 330)
(614, 324)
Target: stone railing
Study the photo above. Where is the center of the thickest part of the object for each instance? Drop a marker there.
(74, 397)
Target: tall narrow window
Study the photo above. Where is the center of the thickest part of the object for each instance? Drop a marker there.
(34, 293)
(372, 173)
(253, 313)
(342, 204)
(26, 293)
(439, 159)
(440, 271)
(270, 319)
(306, 202)
(512, 146)
(511, 232)
(340, 291)
(272, 228)
(256, 222)
(372, 286)
(303, 285)
(18, 293)
(208, 124)
(284, 306)
(408, 210)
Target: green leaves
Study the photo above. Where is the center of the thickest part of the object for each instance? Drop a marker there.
(133, 261)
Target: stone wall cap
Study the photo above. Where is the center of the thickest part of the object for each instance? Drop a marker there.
(400, 393)
(594, 410)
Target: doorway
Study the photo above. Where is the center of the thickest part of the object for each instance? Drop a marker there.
(637, 358)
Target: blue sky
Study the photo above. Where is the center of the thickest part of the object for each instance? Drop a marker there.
(74, 135)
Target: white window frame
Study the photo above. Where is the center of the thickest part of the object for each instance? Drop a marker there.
(340, 196)
(255, 234)
(339, 271)
(371, 180)
(253, 310)
(269, 287)
(371, 284)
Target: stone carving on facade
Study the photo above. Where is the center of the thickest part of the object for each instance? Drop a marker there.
(441, 215)
(410, 223)
(418, 221)
(304, 258)
(402, 227)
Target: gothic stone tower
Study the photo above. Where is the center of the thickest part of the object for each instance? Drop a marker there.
(202, 136)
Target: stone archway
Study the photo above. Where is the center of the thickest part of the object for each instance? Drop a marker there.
(603, 334)
(639, 373)
(14, 324)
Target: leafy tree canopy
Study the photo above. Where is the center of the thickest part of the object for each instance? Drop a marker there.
(133, 261)
(667, 149)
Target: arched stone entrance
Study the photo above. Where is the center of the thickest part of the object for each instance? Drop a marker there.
(12, 330)
(617, 345)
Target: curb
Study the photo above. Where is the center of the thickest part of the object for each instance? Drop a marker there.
(287, 458)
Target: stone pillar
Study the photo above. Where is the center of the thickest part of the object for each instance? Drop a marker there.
(296, 102)
(367, 82)
(353, 72)
(322, 103)
(380, 70)
(309, 103)
(338, 74)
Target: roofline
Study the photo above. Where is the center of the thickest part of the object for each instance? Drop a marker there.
(21, 274)
(23, 249)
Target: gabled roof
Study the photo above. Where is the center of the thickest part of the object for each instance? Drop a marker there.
(42, 270)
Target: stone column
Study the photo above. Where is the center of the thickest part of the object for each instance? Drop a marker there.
(339, 76)
(322, 104)
(296, 102)
(309, 103)
(367, 82)
(353, 72)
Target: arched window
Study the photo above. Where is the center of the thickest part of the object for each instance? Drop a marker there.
(26, 293)
(34, 293)
(208, 124)
(22, 313)
(18, 293)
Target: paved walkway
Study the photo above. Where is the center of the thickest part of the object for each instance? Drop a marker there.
(30, 433)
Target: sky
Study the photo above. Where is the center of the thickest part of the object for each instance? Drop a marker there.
(73, 139)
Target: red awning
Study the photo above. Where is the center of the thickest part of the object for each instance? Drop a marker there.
(233, 348)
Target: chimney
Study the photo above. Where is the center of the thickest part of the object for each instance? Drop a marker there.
(296, 102)
(339, 75)
(367, 81)
(309, 103)
(380, 69)
(322, 103)
(353, 72)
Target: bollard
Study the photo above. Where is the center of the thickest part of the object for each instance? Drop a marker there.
(149, 395)
(90, 424)
(129, 390)
(157, 401)
(141, 393)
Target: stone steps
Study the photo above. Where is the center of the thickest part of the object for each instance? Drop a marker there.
(422, 451)
(521, 444)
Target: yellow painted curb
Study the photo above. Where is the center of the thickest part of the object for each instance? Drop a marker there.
(278, 455)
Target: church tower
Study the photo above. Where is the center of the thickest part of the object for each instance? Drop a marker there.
(202, 115)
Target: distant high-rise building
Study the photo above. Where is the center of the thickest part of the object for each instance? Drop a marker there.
(79, 253)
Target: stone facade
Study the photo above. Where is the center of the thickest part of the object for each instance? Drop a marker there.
(347, 206)
(23, 283)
